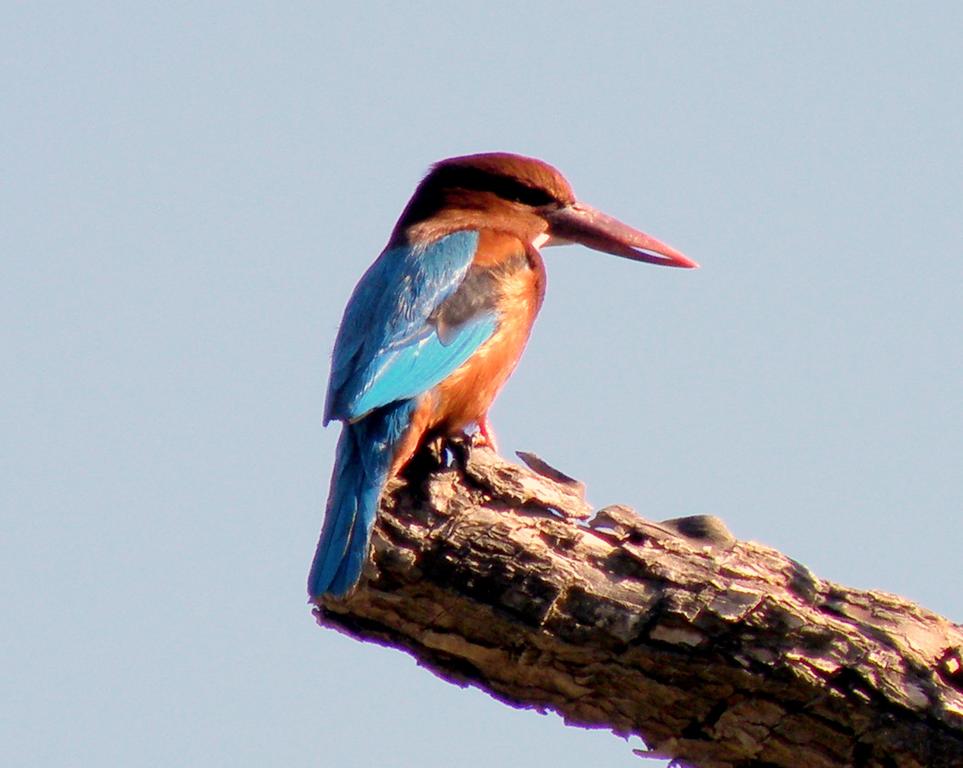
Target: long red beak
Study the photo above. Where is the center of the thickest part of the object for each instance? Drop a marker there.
(583, 224)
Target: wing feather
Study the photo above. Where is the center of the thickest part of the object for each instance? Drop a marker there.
(388, 346)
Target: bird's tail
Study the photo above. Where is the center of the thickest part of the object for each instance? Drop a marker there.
(364, 455)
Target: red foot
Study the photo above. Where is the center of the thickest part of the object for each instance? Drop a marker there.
(486, 435)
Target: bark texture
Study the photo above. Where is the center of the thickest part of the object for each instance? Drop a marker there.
(717, 652)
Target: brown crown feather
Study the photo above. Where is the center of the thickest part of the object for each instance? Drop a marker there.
(493, 189)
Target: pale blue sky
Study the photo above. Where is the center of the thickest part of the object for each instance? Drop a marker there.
(188, 193)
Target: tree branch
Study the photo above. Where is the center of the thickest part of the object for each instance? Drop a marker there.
(717, 652)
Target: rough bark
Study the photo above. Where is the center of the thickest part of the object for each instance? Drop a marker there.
(717, 652)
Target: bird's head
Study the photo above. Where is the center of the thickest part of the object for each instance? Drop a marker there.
(524, 197)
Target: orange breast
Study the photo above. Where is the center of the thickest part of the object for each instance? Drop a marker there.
(467, 394)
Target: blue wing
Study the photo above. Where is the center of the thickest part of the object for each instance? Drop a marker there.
(388, 349)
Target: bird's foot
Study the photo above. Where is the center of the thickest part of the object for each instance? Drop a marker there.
(485, 436)
(437, 449)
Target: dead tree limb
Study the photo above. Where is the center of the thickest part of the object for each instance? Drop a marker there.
(717, 652)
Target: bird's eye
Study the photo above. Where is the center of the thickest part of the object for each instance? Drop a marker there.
(509, 189)
(506, 187)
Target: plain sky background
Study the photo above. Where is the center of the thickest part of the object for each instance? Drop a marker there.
(188, 193)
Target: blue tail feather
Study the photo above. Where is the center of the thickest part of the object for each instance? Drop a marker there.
(364, 455)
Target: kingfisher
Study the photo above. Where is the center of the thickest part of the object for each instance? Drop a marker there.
(437, 324)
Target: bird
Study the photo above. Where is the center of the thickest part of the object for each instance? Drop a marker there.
(437, 324)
